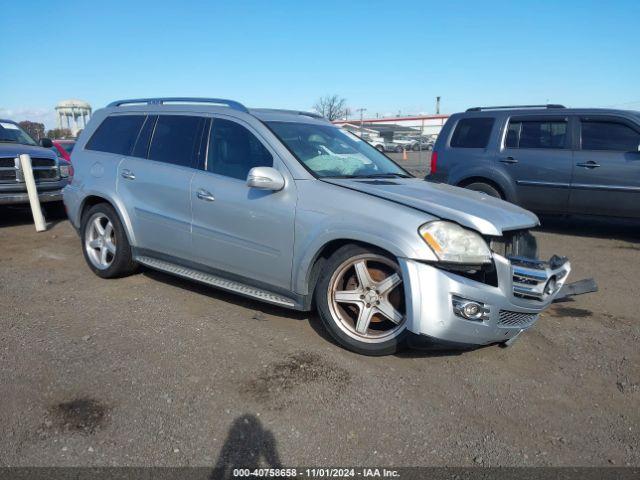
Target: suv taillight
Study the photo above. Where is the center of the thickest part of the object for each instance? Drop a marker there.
(434, 162)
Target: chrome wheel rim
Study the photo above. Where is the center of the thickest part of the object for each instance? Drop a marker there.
(100, 241)
(366, 298)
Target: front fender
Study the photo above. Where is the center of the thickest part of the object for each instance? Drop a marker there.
(320, 236)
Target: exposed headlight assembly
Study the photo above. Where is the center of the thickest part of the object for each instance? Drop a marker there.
(452, 243)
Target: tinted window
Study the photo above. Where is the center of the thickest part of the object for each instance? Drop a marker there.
(537, 134)
(234, 150)
(116, 134)
(141, 149)
(176, 139)
(609, 136)
(472, 133)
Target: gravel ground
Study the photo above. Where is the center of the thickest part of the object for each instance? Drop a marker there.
(150, 370)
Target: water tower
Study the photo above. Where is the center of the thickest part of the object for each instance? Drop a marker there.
(73, 115)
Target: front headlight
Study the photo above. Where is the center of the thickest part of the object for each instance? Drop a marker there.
(452, 243)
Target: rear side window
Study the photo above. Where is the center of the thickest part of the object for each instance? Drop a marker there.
(176, 139)
(234, 150)
(472, 133)
(536, 134)
(602, 135)
(141, 148)
(116, 134)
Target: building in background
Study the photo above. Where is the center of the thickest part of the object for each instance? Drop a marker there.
(73, 115)
(419, 125)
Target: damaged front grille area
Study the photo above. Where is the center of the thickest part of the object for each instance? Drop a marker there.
(535, 279)
(518, 243)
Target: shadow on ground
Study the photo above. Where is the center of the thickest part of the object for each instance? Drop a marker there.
(248, 446)
(11, 216)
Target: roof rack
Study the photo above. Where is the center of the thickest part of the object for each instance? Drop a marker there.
(294, 112)
(504, 107)
(162, 100)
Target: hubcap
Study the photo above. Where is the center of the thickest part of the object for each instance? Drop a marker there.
(366, 298)
(100, 241)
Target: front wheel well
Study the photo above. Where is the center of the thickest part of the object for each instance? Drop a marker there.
(325, 252)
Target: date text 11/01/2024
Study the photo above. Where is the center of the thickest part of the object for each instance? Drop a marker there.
(317, 472)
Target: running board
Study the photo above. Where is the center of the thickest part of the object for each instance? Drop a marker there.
(215, 281)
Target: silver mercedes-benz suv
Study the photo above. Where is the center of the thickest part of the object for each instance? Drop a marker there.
(284, 207)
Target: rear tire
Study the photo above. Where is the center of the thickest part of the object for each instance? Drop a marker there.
(380, 148)
(105, 244)
(485, 188)
(360, 300)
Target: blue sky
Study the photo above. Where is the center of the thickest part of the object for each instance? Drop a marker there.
(386, 56)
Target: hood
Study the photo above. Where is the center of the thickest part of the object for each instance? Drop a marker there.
(485, 214)
(14, 149)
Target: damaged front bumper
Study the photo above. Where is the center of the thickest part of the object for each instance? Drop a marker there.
(436, 299)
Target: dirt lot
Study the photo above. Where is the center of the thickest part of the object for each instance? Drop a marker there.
(150, 370)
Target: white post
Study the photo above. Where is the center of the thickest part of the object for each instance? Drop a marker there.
(27, 173)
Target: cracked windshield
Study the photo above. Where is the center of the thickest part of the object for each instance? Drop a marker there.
(331, 152)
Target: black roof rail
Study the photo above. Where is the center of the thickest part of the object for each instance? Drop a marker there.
(505, 107)
(162, 100)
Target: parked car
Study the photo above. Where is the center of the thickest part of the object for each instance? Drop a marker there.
(51, 174)
(424, 144)
(548, 159)
(64, 148)
(284, 207)
(406, 143)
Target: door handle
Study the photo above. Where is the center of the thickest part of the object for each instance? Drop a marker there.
(202, 194)
(509, 160)
(589, 164)
(128, 174)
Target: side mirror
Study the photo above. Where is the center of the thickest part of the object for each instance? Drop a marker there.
(46, 142)
(265, 178)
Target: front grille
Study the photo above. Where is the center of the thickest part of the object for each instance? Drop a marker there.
(516, 319)
(44, 170)
(7, 170)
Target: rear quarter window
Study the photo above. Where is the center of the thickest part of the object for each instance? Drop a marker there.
(472, 133)
(116, 134)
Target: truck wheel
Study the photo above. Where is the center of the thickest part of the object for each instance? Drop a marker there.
(398, 149)
(360, 299)
(485, 188)
(104, 243)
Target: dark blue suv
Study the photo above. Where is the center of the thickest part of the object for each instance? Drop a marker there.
(51, 173)
(549, 159)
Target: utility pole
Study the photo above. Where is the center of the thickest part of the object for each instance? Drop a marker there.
(361, 110)
(437, 105)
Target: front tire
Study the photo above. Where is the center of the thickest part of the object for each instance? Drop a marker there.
(360, 300)
(105, 244)
(485, 188)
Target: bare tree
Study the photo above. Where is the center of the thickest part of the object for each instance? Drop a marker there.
(331, 107)
(35, 129)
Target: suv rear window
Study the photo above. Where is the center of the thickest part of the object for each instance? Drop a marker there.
(536, 134)
(472, 133)
(603, 135)
(116, 134)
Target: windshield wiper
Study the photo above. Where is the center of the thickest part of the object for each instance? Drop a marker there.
(383, 175)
